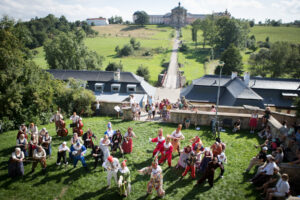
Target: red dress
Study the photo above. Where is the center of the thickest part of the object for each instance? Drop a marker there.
(166, 154)
(253, 120)
(127, 143)
(160, 144)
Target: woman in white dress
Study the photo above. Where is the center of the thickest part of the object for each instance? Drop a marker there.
(104, 146)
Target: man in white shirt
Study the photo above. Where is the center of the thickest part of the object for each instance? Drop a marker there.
(281, 189)
(112, 165)
(266, 172)
(62, 149)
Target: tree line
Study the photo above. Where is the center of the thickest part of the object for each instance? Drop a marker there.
(28, 93)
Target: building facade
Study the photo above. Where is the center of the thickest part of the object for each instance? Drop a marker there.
(178, 17)
(97, 21)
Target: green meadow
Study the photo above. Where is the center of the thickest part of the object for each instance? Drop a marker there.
(66, 182)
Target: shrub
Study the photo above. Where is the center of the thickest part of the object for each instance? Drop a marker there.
(183, 48)
(143, 71)
(135, 45)
(125, 51)
(147, 53)
(114, 67)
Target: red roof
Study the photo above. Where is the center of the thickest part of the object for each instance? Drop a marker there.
(96, 18)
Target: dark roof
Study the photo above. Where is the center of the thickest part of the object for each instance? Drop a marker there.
(93, 77)
(234, 92)
(86, 75)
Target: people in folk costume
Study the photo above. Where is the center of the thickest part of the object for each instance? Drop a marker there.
(33, 143)
(183, 156)
(109, 132)
(97, 154)
(15, 165)
(210, 172)
(88, 139)
(127, 145)
(124, 179)
(78, 151)
(176, 136)
(197, 144)
(60, 125)
(77, 124)
(112, 166)
(190, 163)
(222, 159)
(74, 140)
(222, 144)
(117, 142)
(216, 148)
(22, 130)
(62, 153)
(160, 140)
(32, 129)
(104, 146)
(166, 152)
(46, 144)
(22, 144)
(42, 133)
(207, 157)
(156, 178)
(39, 156)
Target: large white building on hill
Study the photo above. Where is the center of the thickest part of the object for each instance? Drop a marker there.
(178, 17)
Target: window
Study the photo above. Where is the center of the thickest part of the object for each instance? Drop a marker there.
(99, 87)
(115, 87)
(131, 88)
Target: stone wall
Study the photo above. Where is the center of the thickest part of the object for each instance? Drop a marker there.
(107, 108)
(203, 118)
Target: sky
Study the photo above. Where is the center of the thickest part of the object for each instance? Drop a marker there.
(259, 10)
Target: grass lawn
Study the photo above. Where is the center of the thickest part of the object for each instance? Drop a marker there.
(62, 182)
(150, 37)
(282, 33)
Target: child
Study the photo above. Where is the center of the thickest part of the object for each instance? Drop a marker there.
(236, 126)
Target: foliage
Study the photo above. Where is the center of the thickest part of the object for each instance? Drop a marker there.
(183, 47)
(251, 43)
(251, 23)
(38, 30)
(27, 93)
(73, 97)
(135, 45)
(114, 67)
(115, 20)
(126, 50)
(143, 71)
(281, 60)
(67, 51)
(142, 18)
(233, 61)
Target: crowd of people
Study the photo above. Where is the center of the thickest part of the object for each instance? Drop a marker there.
(35, 146)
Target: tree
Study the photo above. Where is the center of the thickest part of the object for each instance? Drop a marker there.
(114, 67)
(231, 31)
(143, 71)
(251, 43)
(135, 45)
(232, 59)
(194, 35)
(115, 20)
(67, 51)
(259, 62)
(251, 23)
(141, 18)
(125, 51)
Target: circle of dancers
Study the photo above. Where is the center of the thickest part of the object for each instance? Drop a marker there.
(192, 159)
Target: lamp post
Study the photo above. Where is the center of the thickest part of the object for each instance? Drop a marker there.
(221, 64)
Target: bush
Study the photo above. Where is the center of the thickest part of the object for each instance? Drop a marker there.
(135, 45)
(183, 48)
(147, 53)
(143, 72)
(114, 67)
(125, 51)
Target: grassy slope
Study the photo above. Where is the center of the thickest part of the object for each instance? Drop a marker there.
(192, 60)
(289, 34)
(68, 183)
(109, 37)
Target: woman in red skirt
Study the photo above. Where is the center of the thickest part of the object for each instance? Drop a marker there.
(253, 121)
(127, 143)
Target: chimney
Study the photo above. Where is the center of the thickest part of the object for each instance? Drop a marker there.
(247, 78)
(233, 75)
(117, 75)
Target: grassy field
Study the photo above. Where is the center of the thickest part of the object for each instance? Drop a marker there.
(66, 182)
(282, 33)
(150, 37)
